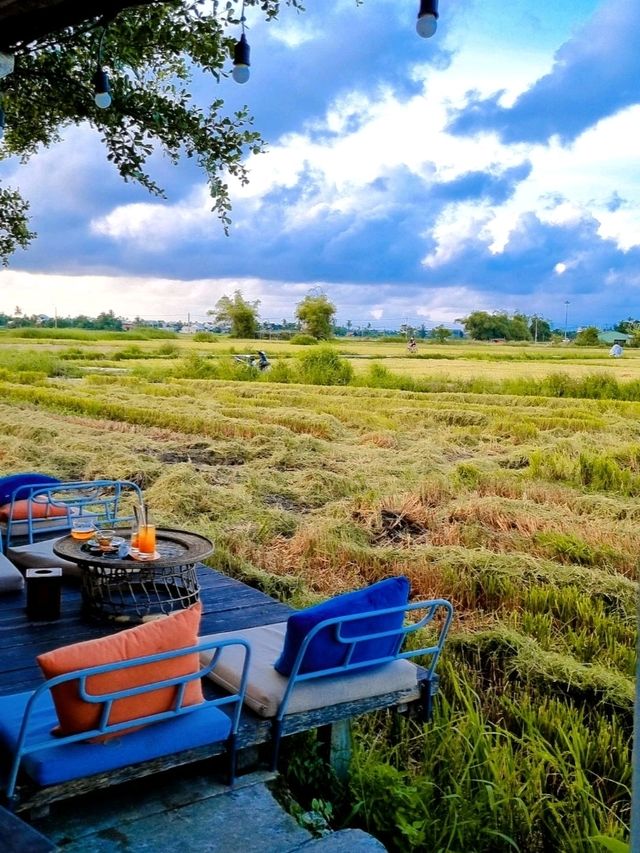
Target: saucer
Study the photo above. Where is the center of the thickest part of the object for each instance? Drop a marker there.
(144, 558)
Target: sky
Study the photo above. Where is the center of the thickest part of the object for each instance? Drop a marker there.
(492, 167)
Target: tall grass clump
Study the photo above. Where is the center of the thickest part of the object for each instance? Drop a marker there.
(324, 367)
(482, 779)
(30, 362)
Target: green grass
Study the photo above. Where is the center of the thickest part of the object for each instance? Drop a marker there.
(142, 334)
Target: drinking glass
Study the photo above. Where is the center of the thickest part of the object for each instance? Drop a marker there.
(147, 541)
(82, 528)
(138, 521)
(105, 538)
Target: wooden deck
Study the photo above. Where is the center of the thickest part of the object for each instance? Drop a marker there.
(227, 605)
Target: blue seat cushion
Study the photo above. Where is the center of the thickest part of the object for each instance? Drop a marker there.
(9, 484)
(48, 766)
(325, 651)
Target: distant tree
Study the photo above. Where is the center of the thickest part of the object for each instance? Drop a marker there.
(422, 331)
(482, 326)
(242, 315)
(587, 337)
(540, 329)
(519, 328)
(316, 313)
(108, 320)
(628, 326)
(441, 334)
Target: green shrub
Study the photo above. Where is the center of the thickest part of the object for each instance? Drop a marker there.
(167, 350)
(324, 367)
(205, 337)
(131, 352)
(304, 340)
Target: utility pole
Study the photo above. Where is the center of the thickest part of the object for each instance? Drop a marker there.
(566, 318)
(535, 328)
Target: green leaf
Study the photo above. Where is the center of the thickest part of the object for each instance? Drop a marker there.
(613, 845)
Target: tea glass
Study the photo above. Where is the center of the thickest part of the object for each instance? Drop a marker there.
(82, 528)
(105, 538)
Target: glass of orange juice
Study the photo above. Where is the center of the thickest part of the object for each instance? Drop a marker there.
(147, 541)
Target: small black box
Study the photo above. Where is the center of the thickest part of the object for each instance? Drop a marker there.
(43, 594)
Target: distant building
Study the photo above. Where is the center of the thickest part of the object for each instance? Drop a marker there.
(613, 337)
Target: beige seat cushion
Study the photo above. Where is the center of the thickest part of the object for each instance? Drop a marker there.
(40, 555)
(266, 687)
(10, 578)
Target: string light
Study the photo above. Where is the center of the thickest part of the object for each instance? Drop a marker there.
(241, 53)
(427, 22)
(101, 87)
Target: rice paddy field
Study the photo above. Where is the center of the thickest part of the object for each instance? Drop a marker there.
(503, 478)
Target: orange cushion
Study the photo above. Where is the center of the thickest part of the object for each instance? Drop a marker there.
(176, 631)
(39, 509)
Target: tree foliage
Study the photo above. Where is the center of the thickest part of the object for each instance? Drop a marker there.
(242, 315)
(152, 55)
(441, 334)
(628, 326)
(483, 326)
(540, 329)
(316, 314)
(587, 337)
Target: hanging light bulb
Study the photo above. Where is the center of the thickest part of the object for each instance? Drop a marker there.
(241, 52)
(241, 63)
(427, 22)
(102, 90)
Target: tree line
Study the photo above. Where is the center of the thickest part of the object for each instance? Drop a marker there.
(104, 320)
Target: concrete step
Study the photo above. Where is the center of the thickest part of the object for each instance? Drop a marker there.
(189, 814)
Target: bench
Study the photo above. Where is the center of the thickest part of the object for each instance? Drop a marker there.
(116, 743)
(369, 664)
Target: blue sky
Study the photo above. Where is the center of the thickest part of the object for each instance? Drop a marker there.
(494, 166)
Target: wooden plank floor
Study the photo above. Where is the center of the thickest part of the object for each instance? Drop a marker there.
(227, 605)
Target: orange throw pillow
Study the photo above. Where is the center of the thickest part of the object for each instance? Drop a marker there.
(176, 631)
(39, 509)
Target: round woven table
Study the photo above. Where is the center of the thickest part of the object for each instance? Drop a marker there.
(116, 587)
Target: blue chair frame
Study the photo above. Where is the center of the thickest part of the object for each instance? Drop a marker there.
(99, 499)
(107, 700)
(429, 681)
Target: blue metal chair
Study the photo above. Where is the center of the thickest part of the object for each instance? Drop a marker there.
(104, 501)
(26, 721)
(428, 678)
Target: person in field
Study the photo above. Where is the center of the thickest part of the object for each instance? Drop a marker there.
(616, 351)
